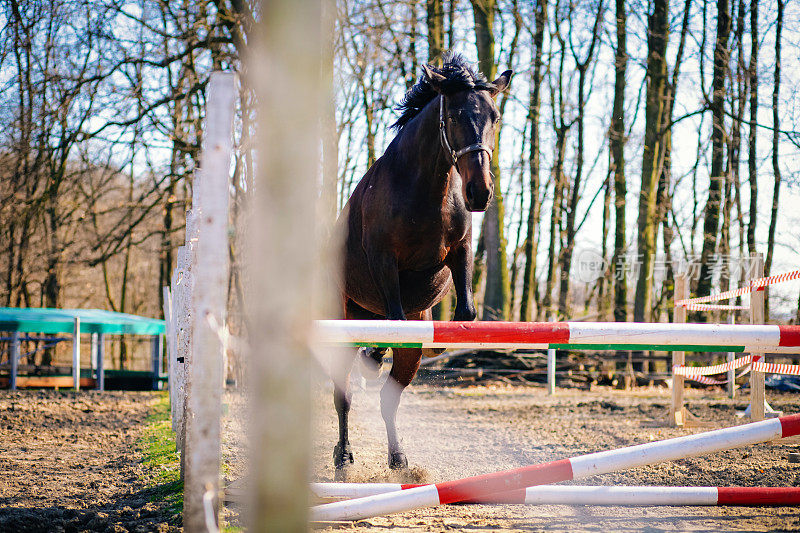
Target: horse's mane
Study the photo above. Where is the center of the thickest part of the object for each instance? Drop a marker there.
(460, 76)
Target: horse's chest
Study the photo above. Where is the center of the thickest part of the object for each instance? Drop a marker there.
(428, 244)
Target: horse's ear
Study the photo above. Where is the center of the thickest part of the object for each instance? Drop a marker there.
(501, 83)
(434, 78)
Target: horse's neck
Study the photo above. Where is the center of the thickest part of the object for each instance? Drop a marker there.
(423, 156)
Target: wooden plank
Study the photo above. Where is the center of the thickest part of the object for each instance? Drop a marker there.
(211, 195)
(757, 317)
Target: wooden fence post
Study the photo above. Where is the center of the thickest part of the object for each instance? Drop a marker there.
(757, 317)
(212, 191)
(76, 354)
(93, 355)
(14, 356)
(551, 371)
(101, 364)
(677, 413)
(730, 357)
(157, 356)
(183, 325)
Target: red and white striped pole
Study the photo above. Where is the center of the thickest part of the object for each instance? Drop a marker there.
(593, 495)
(565, 469)
(541, 335)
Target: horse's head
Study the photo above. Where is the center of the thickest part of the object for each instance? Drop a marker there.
(468, 121)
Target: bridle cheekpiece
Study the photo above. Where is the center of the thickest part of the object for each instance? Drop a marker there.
(454, 155)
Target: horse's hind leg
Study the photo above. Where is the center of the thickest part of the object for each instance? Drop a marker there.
(342, 395)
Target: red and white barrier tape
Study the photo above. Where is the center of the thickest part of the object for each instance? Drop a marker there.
(776, 368)
(756, 284)
(715, 307)
(698, 374)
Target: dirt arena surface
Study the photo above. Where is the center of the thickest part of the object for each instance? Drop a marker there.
(71, 462)
(450, 433)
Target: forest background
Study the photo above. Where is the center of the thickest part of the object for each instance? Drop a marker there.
(640, 139)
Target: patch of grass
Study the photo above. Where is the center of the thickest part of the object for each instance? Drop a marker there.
(161, 460)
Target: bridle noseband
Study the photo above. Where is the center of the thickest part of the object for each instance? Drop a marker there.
(454, 155)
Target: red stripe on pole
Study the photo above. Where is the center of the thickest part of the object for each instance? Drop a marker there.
(790, 336)
(405, 486)
(498, 332)
(790, 425)
(509, 480)
(758, 495)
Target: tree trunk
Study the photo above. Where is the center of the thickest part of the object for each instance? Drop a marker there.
(435, 22)
(751, 138)
(717, 176)
(665, 181)
(617, 141)
(658, 36)
(497, 293)
(534, 112)
(776, 189)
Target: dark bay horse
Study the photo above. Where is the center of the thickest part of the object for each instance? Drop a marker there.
(408, 227)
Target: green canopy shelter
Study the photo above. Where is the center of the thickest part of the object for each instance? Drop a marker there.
(75, 322)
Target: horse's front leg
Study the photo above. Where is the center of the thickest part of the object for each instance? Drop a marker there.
(386, 275)
(405, 362)
(459, 260)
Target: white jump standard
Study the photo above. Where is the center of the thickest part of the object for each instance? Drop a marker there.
(561, 470)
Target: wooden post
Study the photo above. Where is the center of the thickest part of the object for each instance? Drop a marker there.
(170, 327)
(183, 326)
(211, 194)
(101, 368)
(76, 354)
(288, 47)
(156, 356)
(551, 371)
(677, 412)
(14, 356)
(93, 355)
(729, 358)
(757, 317)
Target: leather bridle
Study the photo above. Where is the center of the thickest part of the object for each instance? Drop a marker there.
(454, 155)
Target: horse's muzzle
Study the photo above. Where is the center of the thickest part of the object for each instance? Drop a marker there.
(477, 199)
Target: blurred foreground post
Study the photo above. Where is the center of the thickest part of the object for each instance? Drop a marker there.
(284, 72)
(210, 203)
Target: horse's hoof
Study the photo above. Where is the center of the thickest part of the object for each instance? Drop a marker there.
(371, 362)
(398, 461)
(342, 456)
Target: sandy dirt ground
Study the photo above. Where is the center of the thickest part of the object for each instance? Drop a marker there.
(449, 433)
(69, 462)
